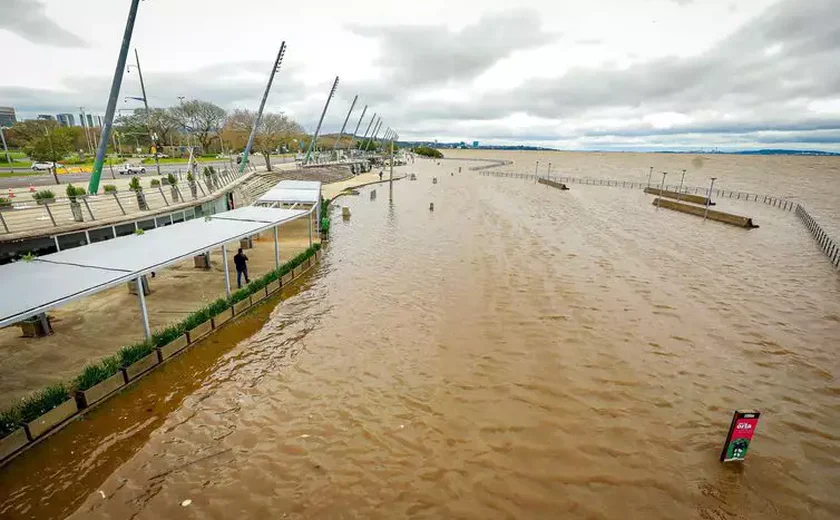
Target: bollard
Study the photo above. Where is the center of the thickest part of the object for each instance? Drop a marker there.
(431, 206)
(345, 211)
(373, 195)
(434, 180)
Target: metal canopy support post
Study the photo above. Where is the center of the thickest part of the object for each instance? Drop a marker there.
(274, 70)
(93, 185)
(356, 131)
(352, 106)
(276, 247)
(310, 229)
(320, 122)
(227, 273)
(141, 294)
(367, 130)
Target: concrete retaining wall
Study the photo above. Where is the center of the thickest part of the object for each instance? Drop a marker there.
(694, 199)
(718, 216)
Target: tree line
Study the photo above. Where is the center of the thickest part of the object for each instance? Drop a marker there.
(197, 123)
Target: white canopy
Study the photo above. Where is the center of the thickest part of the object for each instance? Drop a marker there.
(29, 288)
(292, 192)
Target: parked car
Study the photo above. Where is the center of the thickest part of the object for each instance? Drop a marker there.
(129, 169)
(162, 156)
(43, 166)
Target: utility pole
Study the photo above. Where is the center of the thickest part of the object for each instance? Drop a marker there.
(85, 127)
(364, 137)
(148, 113)
(391, 178)
(6, 148)
(93, 185)
(321, 121)
(257, 120)
(352, 106)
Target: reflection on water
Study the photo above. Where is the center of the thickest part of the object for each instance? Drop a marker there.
(519, 352)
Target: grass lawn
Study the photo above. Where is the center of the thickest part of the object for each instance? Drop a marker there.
(20, 173)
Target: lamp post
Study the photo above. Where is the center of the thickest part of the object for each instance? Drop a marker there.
(661, 188)
(679, 190)
(6, 148)
(709, 199)
(145, 100)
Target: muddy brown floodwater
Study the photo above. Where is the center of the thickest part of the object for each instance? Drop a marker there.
(519, 352)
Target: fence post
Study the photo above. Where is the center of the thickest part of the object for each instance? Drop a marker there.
(47, 207)
(84, 199)
(160, 189)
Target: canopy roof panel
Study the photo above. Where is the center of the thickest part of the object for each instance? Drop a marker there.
(291, 192)
(28, 288)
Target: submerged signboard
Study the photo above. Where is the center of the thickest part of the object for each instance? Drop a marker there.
(740, 435)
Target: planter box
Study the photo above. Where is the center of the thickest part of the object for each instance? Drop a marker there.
(35, 327)
(45, 201)
(198, 331)
(259, 296)
(101, 390)
(173, 347)
(202, 261)
(242, 306)
(286, 279)
(221, 318)
(297, 271)
(6, 207)
(140, 367)
(132, 286)
(272, 287)
(49, 420)
(13, 442)
(246, 243)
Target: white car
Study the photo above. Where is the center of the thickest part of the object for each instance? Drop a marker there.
(129, 169)
(43, 166)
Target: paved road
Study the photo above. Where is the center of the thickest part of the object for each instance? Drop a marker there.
(46, 179)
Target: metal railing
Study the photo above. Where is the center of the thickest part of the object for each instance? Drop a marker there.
(62, 211)
(828, 245)
(771, 200)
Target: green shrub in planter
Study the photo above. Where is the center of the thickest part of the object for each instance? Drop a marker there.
(94, 374)
(9, 420)
(190, 177)
(155, 183)
(43, 195)
(109, 188)
(172, 179)
(134, 184)
(73, 192)
(5, 203)
(43, 401)
(133, 353)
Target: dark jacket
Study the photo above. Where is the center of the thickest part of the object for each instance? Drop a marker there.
(240, 260)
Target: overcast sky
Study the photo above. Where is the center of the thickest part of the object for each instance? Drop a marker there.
(596, 74)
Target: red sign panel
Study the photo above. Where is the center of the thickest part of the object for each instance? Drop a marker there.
(740, 435)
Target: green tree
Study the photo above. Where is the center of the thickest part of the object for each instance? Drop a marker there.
(51, 146)
(427, 151)
(199, 118)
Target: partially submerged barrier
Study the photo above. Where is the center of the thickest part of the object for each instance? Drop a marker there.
(47, 411)
(718, 216)
(828, 245)
(553, 184)
(694, 199)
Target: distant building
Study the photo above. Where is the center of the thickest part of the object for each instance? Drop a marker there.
(475, 144)
(81, 120)
(90, 121)
(7, 116)
(99, 121)
(46, 117)
(66, 119)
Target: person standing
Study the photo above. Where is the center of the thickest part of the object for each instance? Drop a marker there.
(241, 263)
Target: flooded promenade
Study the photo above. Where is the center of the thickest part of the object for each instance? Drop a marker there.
(519, 352)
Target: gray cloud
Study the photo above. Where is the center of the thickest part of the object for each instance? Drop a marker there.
(760, 78)
(28, 19)
(421, 56)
